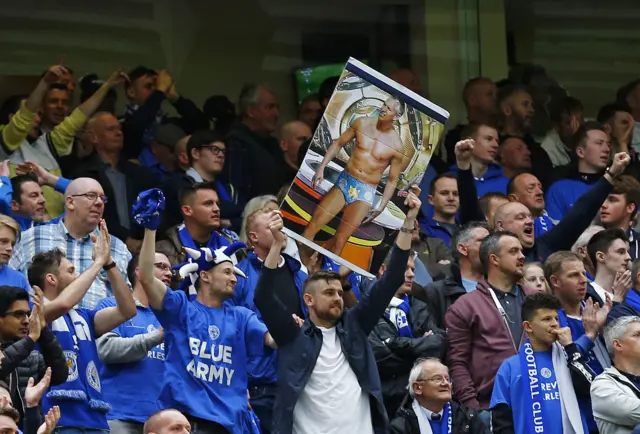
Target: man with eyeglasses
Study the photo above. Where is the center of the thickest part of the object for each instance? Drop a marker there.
(429, 409)
(120, 179)
(206, 151)
(84, 206)
(21, 328)
(132, 353)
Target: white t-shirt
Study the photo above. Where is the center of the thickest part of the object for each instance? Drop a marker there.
(332, 401)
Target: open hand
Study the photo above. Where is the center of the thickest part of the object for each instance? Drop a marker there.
(102, 245)
(621, 284)
(33, 393)
(51, 419)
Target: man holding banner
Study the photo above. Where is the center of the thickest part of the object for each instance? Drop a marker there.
(535, 390)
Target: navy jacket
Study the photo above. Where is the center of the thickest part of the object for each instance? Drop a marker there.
(299, 348)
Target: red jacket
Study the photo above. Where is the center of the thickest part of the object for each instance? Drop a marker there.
(479, 341)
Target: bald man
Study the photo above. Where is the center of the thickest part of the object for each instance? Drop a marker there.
(168, 421)
(121, 179)
(292, 136)
(73, 234)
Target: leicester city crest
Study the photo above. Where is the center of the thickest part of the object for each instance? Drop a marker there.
(92, 376)
(545, 372)
(214, 332)
(151, 328)
(72, 364)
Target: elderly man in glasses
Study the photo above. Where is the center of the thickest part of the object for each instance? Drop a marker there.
(131, 352)
(429, 409)
(74, 235)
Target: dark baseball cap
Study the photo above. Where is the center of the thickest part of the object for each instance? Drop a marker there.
(169, 135)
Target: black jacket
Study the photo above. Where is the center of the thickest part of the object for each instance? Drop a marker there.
(581, 377)
(299, 348)
(138, 179)
(250, 162)
(463, 420)
(443, 293)
(395, 355)
(21, 362)
(135, 124)
(563, 235)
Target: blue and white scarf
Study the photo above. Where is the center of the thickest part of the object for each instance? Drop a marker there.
(83, 381)
(537, 422)
(397, 313)
(423, 422)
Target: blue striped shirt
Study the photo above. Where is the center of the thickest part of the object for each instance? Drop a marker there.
(78, 251)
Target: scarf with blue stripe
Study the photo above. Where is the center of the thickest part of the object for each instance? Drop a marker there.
(397, 313)
(542, 224)
(83, 381)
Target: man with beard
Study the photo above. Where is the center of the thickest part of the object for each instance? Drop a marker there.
(517, 110)
(485, 326)
(328, 365)
(208, 344)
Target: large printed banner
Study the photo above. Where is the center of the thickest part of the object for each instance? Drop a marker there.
(374, 141)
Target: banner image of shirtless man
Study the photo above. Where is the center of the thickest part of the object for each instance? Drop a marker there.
(377, 147)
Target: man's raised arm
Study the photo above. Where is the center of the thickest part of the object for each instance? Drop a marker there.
(109, 318)
(153, 287)
(275, 314)
(373, 304)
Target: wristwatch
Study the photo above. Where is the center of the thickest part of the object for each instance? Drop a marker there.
(406, 230)
(608, 170)
(109, 266)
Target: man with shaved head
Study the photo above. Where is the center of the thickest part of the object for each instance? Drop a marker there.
(517, 218)
(120, 178)
(167, 421)
(292, 136)
(74, 235)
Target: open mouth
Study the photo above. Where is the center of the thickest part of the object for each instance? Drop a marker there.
(528, 231)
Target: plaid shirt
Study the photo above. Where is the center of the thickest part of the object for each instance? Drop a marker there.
(78, 251)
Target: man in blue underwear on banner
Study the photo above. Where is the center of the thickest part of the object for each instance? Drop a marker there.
(207, 344)
(536, 390)
(377, 146)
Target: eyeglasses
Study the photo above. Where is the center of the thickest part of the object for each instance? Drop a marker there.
(19, 314)
(215, 150)
(92, 196)
(162, 266)
(438, 379)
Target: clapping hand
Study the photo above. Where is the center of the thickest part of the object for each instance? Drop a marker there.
(34, 392)
(51, 419)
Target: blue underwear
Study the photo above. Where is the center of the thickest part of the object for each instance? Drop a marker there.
(355, 190)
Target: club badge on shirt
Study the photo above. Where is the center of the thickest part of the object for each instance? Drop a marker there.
(92, 376)
(72, 364)
(214, 332)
